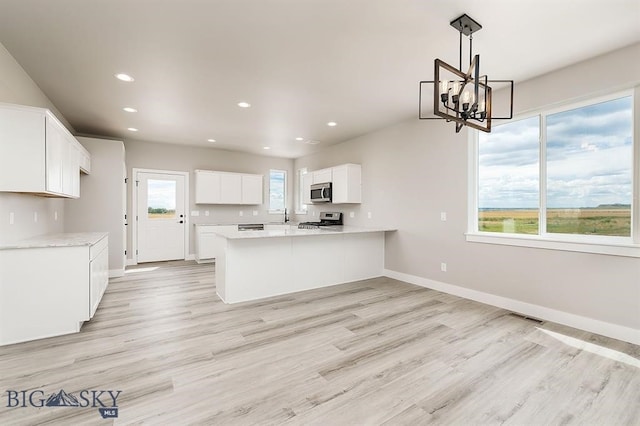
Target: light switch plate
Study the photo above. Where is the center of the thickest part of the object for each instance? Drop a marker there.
(55, 216)
(12, 218)
(443, 267)
(443, 216)
(35, 217)
(369, 215)
(195, 213)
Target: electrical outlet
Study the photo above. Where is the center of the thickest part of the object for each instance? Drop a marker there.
(195, 213)
(35, 217)
(368, 215)
(206, 212)
(241, 213)
(352, 215)
(12, 218)
(443, 216)
(443, 267)
(255, 212)
(55, 216)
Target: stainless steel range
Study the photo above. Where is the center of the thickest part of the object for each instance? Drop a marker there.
(326, 219)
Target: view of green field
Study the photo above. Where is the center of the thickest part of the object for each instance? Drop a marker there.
(160, 213)
(604, 220)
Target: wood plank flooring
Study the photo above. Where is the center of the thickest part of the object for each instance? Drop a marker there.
(375, 352)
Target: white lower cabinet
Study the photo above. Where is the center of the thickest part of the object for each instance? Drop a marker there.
(207, 241)
(50, 287)
(98, 274)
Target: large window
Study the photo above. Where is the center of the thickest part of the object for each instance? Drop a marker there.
(559, 175)
(277, 191)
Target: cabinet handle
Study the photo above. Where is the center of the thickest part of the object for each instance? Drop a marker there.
(182, 221)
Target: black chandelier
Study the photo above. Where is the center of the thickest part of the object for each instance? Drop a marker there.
(463, 97)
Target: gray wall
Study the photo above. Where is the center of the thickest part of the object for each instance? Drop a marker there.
(102, 204)
(159, 156)
(18, 88)
(415, 170)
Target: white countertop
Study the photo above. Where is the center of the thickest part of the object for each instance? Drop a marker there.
(295, 232)
(57, 240)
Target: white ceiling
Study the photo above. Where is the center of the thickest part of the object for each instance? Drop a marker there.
(300, 63)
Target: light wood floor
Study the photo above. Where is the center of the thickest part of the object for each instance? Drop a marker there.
(371, 352)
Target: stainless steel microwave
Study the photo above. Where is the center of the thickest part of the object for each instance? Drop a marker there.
(321, 192)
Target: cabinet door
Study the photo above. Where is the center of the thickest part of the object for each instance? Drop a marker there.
(205, 243)
(230, 188)
(347, 184)
(251, 189)
(98, 279)
(207, 187)
(307, 180)
(22, 150)
(322, 176)
(55, 147)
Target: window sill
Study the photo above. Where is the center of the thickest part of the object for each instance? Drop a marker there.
(535, 241)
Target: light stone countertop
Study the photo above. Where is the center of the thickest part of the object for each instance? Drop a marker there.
(295, 232)
(57, 240)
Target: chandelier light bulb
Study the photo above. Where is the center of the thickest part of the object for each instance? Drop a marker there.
(444, 86)
(465, 97)
(456, 87)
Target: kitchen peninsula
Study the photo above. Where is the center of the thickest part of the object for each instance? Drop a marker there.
(253, 265)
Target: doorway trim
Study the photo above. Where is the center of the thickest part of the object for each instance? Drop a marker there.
(134, 210)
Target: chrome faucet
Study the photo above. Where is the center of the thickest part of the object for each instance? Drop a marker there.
(286, 216)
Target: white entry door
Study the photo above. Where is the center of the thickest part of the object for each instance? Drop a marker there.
(161, 216)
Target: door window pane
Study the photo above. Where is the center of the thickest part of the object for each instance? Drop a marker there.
(161, 199)
(589, 169)
(508, 178)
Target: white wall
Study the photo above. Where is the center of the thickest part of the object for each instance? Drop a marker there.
(102, 204)
(17, 87)
(160, 156)
(417, 169)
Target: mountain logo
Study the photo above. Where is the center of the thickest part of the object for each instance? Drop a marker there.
(62, 399)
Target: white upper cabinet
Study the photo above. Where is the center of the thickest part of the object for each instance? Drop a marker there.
(252, 189)
(347, 184)
(37, 153)
(322, 176)
(213, 187)
(207, 187)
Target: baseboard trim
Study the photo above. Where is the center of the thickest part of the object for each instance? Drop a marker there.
(131, 262)
(191, 256)
(615, 331)
(115, 273)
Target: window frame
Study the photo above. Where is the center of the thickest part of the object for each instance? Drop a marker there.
(272, 211)
(301, 208)
(599, 244)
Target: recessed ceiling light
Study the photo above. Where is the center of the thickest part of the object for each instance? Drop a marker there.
(124, 77)
(211, 140)
(129, 109)
(244, 104)
(266, 147)
(299, 139)
(332, 124)
(132, 129)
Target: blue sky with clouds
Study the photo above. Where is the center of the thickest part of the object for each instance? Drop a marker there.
(162, 193)
(589, 159)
